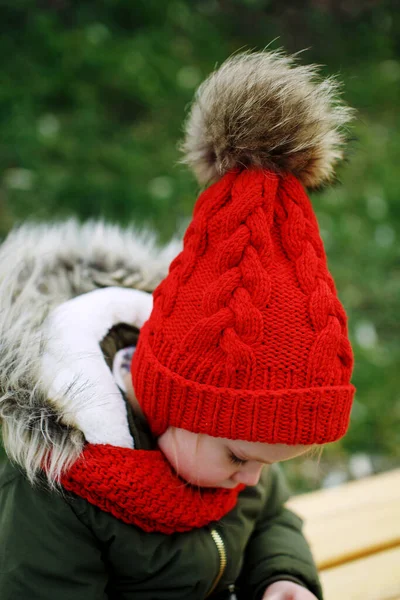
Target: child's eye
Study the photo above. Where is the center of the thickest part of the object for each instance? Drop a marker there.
(235, 459)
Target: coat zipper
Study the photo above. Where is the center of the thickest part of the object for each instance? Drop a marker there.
(219, 542)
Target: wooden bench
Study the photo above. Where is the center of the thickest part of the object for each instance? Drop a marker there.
(354, 532)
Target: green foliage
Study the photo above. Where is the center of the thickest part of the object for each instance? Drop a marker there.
(92, 99)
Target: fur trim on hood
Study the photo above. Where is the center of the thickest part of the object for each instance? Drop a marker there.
(43, 266)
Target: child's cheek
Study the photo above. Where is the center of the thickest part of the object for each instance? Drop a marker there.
(188, 461)
(181, 461)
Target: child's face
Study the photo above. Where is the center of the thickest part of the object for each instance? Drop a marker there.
(219, 462)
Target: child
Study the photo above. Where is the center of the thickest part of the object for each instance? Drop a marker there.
(171, 491)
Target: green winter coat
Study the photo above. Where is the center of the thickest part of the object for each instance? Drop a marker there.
(57, 546)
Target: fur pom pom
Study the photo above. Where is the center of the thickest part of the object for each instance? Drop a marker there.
(261, 109)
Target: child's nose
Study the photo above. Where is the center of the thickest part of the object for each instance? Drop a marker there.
(249, 474)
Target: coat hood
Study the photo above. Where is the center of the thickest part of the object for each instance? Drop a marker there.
(45, 396)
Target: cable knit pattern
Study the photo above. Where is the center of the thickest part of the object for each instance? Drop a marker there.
(247, 338)
(195, 243)
(232, 303)
(306, 251)
(140, 488)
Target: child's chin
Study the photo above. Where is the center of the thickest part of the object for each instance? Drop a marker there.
(227, 484)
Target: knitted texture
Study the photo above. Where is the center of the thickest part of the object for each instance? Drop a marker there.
(140, 488)
(247, 338)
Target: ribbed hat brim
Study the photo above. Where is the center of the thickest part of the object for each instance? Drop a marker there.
(315, 415)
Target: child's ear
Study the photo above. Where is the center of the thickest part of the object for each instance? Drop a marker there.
(130, 394)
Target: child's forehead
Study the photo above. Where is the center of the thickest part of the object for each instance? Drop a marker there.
(262, 452)
(249, 451)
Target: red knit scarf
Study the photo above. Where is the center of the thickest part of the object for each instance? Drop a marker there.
(140, 488)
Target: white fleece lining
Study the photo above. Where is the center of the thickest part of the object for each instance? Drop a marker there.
(73, 357)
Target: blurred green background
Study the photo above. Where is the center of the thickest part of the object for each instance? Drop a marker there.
(92, 100)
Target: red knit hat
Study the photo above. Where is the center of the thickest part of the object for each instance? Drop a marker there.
(247, 338)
